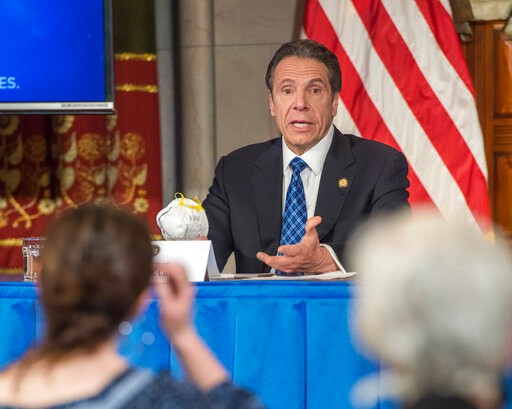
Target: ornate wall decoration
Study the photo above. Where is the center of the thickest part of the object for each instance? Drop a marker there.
(50, 163)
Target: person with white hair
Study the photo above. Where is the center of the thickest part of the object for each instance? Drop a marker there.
(435, 304)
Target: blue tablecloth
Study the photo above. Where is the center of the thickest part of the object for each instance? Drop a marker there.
(289, 342)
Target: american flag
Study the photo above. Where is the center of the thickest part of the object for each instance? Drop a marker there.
(406, 83)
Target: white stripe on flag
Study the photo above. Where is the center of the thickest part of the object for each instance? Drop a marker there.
(344, 121)
(395, 112)
(446, 5)
(440, 74)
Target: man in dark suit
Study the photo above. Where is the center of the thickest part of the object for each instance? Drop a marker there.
(346, 180)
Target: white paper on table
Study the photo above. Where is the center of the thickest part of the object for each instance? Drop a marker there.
(332, 275)
(196, 257)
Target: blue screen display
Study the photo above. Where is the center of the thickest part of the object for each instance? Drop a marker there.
(52, 51)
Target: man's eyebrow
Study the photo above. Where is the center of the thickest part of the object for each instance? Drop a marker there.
(285, 81)
(316, 80)
(292, 81)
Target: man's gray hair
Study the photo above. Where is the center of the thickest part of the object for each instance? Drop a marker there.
(307, 49)
(435, 303)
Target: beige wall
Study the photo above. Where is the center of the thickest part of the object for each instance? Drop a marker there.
(247, 33)
(225, 46)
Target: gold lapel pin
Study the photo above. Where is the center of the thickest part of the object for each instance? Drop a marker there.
(342, 183)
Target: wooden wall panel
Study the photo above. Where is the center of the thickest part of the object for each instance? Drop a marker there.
(503, 185)
(489, 58)
(503, 74)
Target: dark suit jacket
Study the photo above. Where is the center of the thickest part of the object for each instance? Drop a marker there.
(244, 203)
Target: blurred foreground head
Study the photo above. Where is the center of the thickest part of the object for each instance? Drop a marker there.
(435, 303)
(96, 264)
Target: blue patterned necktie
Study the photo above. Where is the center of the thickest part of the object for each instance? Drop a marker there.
(295, 211)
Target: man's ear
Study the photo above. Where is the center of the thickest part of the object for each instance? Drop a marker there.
(271, 104)
(334, 108)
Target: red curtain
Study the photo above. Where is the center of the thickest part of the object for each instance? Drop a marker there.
(49, 163)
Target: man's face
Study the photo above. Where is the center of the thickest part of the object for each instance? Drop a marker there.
(302, 102)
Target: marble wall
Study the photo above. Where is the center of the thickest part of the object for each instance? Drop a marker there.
(247, 33)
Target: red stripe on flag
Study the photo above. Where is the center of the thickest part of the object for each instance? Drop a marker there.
(364, 113)
(441, 23)
(424, 104)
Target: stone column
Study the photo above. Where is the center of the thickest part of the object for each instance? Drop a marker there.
(165, 57)
(196, 105)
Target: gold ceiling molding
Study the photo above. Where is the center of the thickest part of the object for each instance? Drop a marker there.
(466, 11)
(11, 270)
(152, 89)
(11, 242)
(491, 9)
(135, 57)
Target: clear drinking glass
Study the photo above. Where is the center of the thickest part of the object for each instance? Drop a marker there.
(31, 250)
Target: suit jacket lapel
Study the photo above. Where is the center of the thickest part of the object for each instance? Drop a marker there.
(267, 185)
(335, 183)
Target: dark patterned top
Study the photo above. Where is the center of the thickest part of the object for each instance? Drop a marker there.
(438, 402)
(141, 389)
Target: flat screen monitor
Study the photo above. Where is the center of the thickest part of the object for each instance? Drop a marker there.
(56, 56)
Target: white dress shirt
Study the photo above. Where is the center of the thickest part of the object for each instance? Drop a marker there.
(311, 175)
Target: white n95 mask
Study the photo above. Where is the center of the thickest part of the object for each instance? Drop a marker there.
(183, 219)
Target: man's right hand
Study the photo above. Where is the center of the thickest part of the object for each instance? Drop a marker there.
(305, 257)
